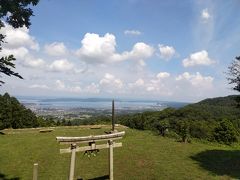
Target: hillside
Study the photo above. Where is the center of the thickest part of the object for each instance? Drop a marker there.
(14, 115)
(221, 101)
(143, 156)
(198, 120)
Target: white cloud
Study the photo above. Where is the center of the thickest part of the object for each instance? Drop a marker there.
(132, 32)
(96, 49)
(56, 49)
(62, 65)
(196, 80)
(151, 88)
(139, 82)
(18, 37)
(92, 89)
(25, 59)
(198, 58)
(140, 51)
(166, 52)
(205, 15)
(75, 89)
(101, 50)
(19, 53)
(163, 75)
(110, 80)
(39, 86)
(60, 85)
(33, 63)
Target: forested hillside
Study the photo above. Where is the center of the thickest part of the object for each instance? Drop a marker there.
(216, 119)
(15, 115)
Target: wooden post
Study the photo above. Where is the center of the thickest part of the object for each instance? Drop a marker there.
(72, 165)
(113, 117)
(110, 142)
(35, 171)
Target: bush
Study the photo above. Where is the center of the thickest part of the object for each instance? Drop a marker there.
(225, 132)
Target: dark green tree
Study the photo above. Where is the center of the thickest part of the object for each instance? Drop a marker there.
(162, 126)
(183, 130)
(225, 132)
(16, 13)
(15, 115)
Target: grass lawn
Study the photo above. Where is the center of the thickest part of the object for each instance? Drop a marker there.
(143, 156)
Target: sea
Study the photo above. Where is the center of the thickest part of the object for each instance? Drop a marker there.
(36, 103)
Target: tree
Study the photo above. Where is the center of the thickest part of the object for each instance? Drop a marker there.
(234, 74)
(183, 130)
(14, 115)
(162, 126)
(17, 14)
(225, 132)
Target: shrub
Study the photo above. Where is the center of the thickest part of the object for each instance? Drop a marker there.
(225, 132)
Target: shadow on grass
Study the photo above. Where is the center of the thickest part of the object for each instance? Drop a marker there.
(4, 177)
(220, 162)
(100, 178)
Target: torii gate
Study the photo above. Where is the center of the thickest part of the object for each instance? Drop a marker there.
(92, 146)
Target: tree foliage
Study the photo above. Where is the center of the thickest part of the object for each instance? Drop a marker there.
(16, 13)
(225, 132)
(199, 120)
(15, 115)
(234, 74)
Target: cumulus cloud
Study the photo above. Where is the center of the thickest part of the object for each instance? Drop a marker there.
(24, 56)
(132, 32)
(19, 53)
(137, 84)
(205, 15)
(163, 75)
(56, 49)
(62, 65)
(166, 52)
(196, 80)
(198, 58)
(33, 63)
(97, 49)
(140, 51)
(92, 89)
(159, 84)
(18, 38)
(110, 80)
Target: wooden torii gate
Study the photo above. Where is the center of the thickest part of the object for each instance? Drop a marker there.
(91, 140)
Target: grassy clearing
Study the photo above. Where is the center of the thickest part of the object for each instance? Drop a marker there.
(143, 156)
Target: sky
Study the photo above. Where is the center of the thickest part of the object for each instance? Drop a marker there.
(138, 49)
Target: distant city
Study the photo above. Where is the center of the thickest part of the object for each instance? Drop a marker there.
(81, 108)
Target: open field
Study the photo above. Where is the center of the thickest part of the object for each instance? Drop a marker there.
(143, 156)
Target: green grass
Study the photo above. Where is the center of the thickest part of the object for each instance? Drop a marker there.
(143, 156)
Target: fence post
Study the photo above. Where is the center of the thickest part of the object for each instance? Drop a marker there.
(35, 171)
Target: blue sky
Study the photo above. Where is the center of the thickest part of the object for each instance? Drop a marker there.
(167, 50)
